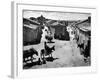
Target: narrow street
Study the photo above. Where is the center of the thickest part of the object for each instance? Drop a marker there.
(66, 54)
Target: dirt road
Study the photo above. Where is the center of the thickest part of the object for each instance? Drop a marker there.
(66, 54)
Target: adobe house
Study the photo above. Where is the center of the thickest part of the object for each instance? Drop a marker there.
(85, 27)
(59, 31)
(83, 30)
(31, 32)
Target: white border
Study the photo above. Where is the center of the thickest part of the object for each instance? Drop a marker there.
(17, 68)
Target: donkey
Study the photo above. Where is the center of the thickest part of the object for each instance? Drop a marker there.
(47, 51)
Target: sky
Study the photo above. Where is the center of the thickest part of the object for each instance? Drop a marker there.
(56, 15)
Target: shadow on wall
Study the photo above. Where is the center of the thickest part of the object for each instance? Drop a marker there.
(31, 36)
(62, 36)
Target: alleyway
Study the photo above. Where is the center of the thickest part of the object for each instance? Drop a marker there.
(66, 54)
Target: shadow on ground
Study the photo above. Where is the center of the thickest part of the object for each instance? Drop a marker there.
(39, 63)
(51, 59)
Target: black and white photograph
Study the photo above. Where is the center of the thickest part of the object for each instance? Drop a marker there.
(54, 39)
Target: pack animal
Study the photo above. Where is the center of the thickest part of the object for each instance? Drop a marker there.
(47, 51)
